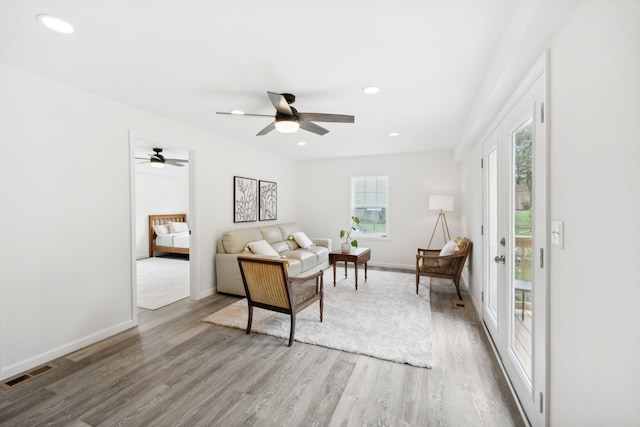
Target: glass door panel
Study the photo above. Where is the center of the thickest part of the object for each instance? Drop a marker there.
(522, 244)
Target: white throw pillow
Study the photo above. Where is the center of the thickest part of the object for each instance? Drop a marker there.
(178, 227)
(450, 248)
(261, 247)
(302, 240)
(161, 229)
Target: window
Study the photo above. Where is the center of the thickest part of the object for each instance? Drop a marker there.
(370, 203)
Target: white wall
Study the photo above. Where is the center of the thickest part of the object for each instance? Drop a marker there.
(157, 193)
(324, 200)
(595, 189)
(471, 213)
(65, 178)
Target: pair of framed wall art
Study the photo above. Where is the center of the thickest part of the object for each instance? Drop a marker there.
(254, 200)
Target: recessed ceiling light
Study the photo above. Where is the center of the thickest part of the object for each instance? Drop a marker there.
(301, 143)
(237, 112)
(371, 90)
(55, 24)
(394, 133)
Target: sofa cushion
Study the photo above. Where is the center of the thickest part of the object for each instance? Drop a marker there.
(307, 258)
(321, 252)
(281, 247)
(261, 247)
(302, 239)
(295, 267)
(292, 244)
(288, 229)
(235, 241)
(271, 234)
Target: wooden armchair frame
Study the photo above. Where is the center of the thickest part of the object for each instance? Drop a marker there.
(429, 263)
(267, 285)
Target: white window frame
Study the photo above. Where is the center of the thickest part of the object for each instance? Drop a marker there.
(373, 236)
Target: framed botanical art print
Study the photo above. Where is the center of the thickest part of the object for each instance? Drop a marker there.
(245, 199)
(268, 206)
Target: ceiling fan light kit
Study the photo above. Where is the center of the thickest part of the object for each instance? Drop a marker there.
(287, 125)
(156, 163)
(288, 120)
(157, 160)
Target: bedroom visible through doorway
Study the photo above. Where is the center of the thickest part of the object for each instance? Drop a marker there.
(162, 232)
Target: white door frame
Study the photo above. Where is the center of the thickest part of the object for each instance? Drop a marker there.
(530, 98)
(136, 139)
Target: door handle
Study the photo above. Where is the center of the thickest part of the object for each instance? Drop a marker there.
(499, 259)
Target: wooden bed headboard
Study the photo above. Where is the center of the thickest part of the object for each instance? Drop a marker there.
(159, 220)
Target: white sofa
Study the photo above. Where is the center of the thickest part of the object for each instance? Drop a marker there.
(302, 261)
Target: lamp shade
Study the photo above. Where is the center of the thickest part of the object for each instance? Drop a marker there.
(444, 203)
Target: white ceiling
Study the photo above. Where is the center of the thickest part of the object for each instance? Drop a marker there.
(186, 60)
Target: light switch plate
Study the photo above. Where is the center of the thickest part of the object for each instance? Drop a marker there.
(557, 234)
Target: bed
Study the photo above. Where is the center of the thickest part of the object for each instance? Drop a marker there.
(168, 233)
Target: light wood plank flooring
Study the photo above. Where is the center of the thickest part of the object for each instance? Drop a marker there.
(175, 370)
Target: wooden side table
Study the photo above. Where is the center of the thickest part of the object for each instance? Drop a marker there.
(357, 256)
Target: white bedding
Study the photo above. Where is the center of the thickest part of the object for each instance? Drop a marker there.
(173, 240)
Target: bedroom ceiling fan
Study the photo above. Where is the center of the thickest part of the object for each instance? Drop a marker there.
(158, 160)
(289, 120)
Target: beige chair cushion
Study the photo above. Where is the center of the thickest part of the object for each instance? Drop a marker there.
(303, 291)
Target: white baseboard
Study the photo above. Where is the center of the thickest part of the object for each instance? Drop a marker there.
(48, 356)
(205, 293)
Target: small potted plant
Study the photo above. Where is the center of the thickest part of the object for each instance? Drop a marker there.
(346, 235)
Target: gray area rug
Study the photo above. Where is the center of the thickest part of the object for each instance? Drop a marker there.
(384, 318)
(162, 281)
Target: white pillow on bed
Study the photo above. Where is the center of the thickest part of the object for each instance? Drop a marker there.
(178, 227)
(261, 247)
(302, 240)
(161, 229)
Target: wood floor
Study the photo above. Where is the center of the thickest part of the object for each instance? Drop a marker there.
(175, 370)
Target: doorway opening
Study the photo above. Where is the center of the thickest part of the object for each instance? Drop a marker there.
(160, 216)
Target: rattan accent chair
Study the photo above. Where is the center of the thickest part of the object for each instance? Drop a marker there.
(430, 263)
(267, 285)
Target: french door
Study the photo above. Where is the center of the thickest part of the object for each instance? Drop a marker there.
(514, 239)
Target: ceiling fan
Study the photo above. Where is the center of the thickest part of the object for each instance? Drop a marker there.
(289, 120)
(158, 160)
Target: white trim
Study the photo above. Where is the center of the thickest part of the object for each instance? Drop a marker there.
(526, 101)
(504, 373)
(63, 350)
(137, 138)
(132, 227)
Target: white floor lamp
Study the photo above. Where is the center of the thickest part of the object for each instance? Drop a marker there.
(442, 204)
